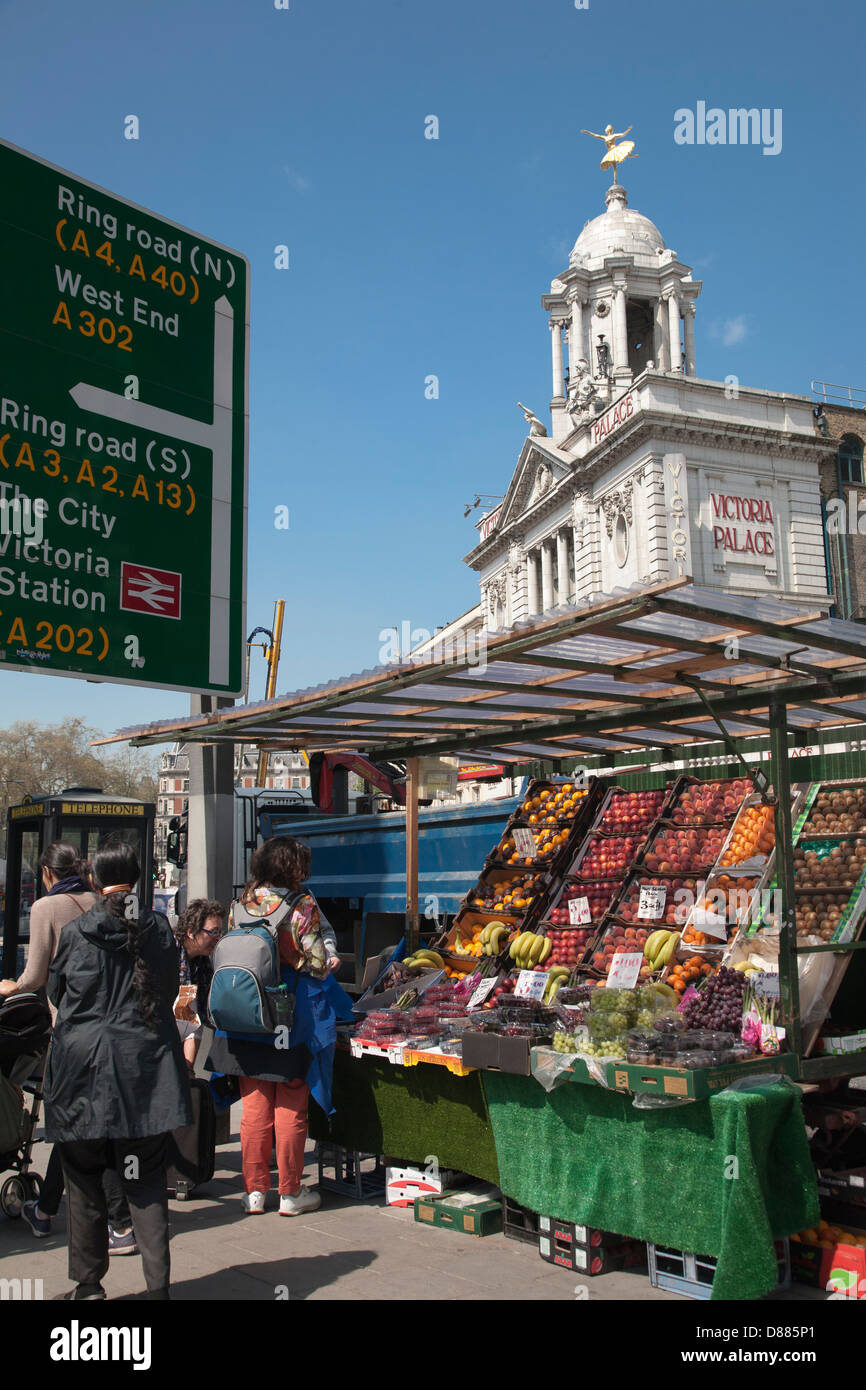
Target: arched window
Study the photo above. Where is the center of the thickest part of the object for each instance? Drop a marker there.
(850, 457)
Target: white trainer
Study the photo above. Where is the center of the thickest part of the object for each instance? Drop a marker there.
(303, 1200)
(254, 1203)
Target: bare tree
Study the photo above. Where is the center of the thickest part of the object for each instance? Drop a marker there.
(44, 759)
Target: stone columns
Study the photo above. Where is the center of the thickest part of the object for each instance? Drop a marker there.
(575, 344)
(620, 331)
(558, 382)
(660, 337)
(546, 576)
(674, 319)
(689, 335)
(563, 588)
(532, 582)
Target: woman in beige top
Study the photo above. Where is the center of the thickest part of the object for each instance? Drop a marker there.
(67, 895)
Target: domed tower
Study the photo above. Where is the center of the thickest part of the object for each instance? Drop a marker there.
(625, 304)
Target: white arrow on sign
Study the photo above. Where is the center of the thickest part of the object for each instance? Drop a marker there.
(217, 437)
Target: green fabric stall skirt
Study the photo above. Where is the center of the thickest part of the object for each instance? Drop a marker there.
(721, 1177)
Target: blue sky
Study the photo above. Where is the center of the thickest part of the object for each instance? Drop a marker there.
(411, 257)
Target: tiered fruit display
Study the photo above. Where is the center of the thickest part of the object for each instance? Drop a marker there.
(754, 836)
(727, 896)
(705, 802)
(608, 857)
(679, 896)
(628, 813)
(512, 895)
(685, 851)
(598, 892)
(841, 812)
(836, 867)
(719, 1002)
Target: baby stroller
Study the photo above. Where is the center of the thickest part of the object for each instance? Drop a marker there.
(25, 1031)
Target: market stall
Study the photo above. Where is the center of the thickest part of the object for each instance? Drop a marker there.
(590, 996)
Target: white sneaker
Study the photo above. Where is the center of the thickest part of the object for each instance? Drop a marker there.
(303, 1200)
(254, 1203)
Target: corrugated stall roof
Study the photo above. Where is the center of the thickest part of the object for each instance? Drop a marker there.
(631, 669)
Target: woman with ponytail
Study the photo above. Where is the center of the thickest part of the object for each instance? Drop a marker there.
(115, 1085)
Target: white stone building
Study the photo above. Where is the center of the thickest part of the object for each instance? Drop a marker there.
(649, 471)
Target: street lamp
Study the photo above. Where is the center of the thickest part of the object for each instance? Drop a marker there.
(603, 356)
(482, 499)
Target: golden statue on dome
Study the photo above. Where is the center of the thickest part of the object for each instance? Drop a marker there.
(615, 153)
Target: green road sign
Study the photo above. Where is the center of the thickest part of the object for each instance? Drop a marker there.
(123, 438)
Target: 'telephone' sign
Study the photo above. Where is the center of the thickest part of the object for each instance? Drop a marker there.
(123, 438)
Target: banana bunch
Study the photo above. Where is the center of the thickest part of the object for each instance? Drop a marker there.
(425, 960)
(665, 991)
(557, 976)
(659, 947)
(745, 967)
(492, 938)
(527, 950)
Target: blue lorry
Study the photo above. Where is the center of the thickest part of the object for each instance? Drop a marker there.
(359, 868)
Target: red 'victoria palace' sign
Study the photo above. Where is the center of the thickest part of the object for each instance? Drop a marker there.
(748, 515)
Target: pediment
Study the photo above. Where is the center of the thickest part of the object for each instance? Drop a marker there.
(540, 468)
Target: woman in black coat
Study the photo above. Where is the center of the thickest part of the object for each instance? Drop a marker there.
(115, 1085)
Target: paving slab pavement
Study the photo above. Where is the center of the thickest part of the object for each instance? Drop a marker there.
(346, 1250)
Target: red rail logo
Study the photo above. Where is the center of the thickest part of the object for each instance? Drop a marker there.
(145, 589)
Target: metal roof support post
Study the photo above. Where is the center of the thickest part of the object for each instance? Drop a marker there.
(789, 980)
(412, 771)
(211, 812)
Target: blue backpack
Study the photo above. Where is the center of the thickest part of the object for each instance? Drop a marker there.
(246, 993)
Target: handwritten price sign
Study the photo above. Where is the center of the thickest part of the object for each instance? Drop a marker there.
(524, 842)
(531, 984)
(651, 903)
(579, 914)
(625, 970)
